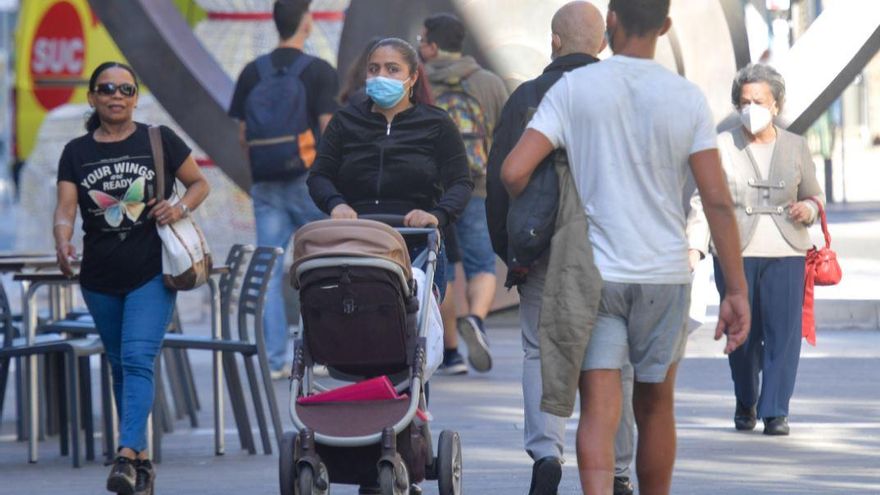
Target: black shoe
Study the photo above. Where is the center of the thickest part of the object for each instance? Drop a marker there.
(623, 486)
(745, 418)
(122, 476)
(777, 426)
(546, 473)
(472, 332)
(453, 364)
(146, 478)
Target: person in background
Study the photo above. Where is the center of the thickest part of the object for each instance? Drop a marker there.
(283, 101)
(473, 97)
(109, 174)
(772, 179)
(632, 129)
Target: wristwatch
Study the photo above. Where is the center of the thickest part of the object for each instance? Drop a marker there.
(183, 209)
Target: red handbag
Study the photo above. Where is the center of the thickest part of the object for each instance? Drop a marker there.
(821, 268)
(822, 262)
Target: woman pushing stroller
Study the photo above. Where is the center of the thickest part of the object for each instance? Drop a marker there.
(393, 152)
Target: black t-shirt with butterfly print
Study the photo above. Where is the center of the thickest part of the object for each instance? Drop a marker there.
(121, 247)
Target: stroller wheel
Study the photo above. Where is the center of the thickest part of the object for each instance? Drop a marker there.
(449, 463)
(287, 463)
(393, 481)
(311, 484)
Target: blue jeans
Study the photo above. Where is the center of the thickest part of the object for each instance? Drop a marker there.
(132, 326)
(474, 242)
(280, 209)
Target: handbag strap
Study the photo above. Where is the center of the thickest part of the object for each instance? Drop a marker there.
(824, 221)
(159, 161)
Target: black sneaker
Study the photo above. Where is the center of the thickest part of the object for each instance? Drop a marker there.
(453, 364)
(471, 330)
(623, 486)
(122, 476)
(146, 478)
(546, 473)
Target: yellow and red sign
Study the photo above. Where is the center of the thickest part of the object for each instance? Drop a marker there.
(59, 42)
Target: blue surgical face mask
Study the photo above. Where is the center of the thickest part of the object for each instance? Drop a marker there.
(385, 91)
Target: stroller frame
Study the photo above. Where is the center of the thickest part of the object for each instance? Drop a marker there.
(302, 470)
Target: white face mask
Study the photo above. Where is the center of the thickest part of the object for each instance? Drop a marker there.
(755, 117)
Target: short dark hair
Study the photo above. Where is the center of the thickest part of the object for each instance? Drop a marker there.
(446, 30)
(287, 15)
(640, 17)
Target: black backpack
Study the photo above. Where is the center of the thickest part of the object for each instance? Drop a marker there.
(281, 144)
(531, 216)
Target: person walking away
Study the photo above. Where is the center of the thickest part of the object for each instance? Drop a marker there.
(109, 174)
(631, 130)
(283, 100)
(773, 182)
(578, 36)
(473, 97)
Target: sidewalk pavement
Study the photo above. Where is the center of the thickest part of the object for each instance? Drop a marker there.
(834, 447)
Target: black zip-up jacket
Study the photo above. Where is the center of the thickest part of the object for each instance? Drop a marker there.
(510, 128)
(417, 161)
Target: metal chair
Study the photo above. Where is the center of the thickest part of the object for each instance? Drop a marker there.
(75, 378)
(250, 344)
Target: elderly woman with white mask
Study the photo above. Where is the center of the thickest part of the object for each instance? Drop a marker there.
(772, 180)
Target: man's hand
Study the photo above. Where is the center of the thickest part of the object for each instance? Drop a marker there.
(343, 212)
(694, 257)
(734, 320)
(419, 219)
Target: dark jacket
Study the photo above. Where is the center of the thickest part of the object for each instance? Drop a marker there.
(510, 128)
(416, 161)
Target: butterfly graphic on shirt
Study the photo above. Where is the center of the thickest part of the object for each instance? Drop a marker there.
(131, 204)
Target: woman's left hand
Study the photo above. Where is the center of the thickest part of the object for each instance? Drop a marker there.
(164, 212)
(420, 218)
(800, 212)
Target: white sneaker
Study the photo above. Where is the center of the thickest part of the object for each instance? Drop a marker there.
(281, 374)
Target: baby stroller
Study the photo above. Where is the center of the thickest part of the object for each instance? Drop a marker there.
(359, 309)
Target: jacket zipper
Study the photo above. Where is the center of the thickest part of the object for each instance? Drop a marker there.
(381, 165)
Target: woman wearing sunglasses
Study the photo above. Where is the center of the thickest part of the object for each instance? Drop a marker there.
(109, 174)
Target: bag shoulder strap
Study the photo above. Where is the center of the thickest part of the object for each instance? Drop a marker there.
(824, 220)
(158, 160)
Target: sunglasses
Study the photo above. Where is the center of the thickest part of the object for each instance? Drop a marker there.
(109, 89)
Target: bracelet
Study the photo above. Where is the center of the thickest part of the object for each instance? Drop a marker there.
(184, 210)
(63, 222)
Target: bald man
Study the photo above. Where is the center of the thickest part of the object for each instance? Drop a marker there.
(578, 36)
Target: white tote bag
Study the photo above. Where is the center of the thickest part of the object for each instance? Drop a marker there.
(434, 336)
(186, 258)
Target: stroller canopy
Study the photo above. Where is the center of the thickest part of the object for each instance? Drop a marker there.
(358, 238)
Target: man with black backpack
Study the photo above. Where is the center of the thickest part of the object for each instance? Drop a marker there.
(283, 101)
(473, 97)
(577, 38)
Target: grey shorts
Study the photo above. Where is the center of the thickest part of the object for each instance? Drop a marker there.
(640, 323)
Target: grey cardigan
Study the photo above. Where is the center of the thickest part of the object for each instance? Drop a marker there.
(792, 177)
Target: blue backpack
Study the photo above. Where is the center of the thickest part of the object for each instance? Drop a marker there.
(281, 144)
